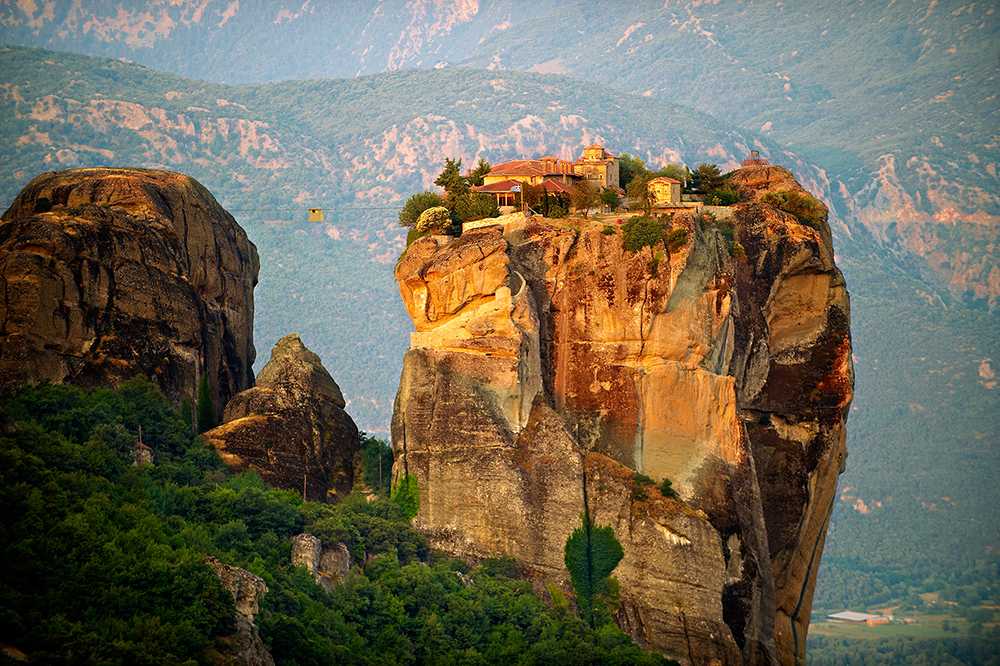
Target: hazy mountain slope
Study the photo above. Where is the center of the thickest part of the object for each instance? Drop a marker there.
(266, 151)
(224, 41)
(898, 100)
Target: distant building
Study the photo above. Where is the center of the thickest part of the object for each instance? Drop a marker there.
(533, 172)
(142, 455)
(665, 191)
(852, 617)
(598, 165)
(557, 176)
(756, 160)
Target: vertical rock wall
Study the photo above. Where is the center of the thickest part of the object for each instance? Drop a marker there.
(110, 273)
(542, 349)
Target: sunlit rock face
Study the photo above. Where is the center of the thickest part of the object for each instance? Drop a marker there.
(543, 348)
(291, 427)
(110, 273)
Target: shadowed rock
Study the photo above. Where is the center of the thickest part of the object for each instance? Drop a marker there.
(110, 273)
(291, 426)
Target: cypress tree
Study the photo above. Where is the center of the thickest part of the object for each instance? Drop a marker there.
(206, 411)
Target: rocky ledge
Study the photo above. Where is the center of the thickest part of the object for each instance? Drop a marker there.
(110, 273)
(549, 365)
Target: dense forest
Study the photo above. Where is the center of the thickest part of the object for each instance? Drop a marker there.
(104, 561)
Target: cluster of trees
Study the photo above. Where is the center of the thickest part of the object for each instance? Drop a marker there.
(707, 180)
(428, 212)
(103, 560)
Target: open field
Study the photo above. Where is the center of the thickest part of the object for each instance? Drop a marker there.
(930, 626)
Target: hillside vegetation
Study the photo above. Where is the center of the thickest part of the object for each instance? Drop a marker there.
(104, 561)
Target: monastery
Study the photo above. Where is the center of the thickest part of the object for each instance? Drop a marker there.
(557, 176)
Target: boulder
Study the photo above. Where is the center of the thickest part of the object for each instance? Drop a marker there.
(108, 273)
(291, 427)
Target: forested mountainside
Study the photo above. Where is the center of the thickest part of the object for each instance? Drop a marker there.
(916, 432)
(896, 100)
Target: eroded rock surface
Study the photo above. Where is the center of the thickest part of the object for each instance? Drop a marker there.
(328, 566)
(246, 647)
(291, 427)
(540, 351)
(110, 273)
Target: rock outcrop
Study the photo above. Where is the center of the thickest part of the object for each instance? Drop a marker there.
(110, 273)
(291, 427)
(550, 364)
(246, 647)
(328, 566)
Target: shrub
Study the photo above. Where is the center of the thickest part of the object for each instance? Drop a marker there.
(676, 239)
(737, 251)
(435, 220)
(640, 484)
(641, 232)
(415, 205)
(406, 495)
(808, 210)
(722, 197)
(667, 490)
(608, 230)
(476, 206)
(591, 554)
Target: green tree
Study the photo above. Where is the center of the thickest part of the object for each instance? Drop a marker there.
(610, 198)
(206, 410)
(452, 181)
(628, 168)
(592, 553)
(476, 206)
(676, 171)
(707, 177)
(584, 196)
(638, 192)
(416, 205)
(406, 495)
(476, 176)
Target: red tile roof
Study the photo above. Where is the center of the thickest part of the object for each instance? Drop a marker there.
(542, 167)
(556, 186)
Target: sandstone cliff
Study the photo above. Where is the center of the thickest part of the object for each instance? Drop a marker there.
(291, 427)
(246, 648)
(110, 273)
(549, 363)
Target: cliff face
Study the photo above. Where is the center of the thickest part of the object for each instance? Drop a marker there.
(109, 273)
(548, 364)
(245, 648)
(291, 427)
